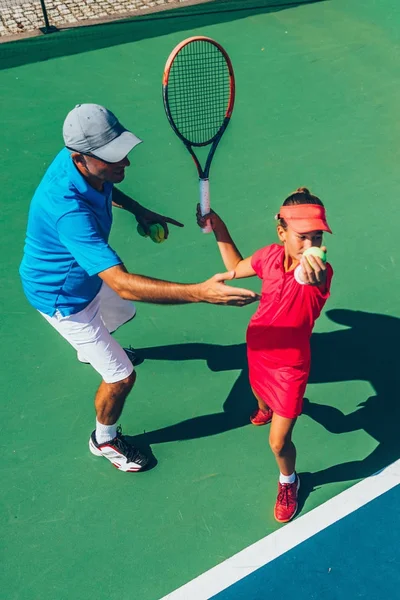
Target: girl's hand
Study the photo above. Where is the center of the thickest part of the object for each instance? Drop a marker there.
(212, 218)
(314, 273)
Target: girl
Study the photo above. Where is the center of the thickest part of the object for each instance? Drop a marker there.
(294, 290)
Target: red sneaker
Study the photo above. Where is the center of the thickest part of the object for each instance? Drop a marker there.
(286, 502)
(261, 417)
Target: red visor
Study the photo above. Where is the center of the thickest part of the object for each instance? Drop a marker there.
(303, 218)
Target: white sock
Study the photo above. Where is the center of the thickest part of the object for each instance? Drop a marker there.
(105, 433)
(287, 478)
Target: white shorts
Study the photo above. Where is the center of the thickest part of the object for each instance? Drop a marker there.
(89, 332)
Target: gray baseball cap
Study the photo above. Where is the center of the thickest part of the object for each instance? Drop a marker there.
(92, 129)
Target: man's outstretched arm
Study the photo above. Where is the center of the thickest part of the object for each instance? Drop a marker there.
(156, 291)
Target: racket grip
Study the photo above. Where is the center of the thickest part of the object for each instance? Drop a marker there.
(205, 202)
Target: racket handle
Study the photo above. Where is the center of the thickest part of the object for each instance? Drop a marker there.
(205, 202)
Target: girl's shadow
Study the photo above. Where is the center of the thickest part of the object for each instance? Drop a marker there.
(366, 351)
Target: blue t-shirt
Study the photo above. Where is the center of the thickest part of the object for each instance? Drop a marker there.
(66, 243)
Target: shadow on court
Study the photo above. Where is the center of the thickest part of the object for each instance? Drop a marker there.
(366, 351)
(88, 37)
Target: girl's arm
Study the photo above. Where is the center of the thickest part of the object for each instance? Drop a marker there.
(230, 254)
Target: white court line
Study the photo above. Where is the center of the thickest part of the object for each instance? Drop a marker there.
(259, 554)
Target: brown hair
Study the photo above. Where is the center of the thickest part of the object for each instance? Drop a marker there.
(300, 196)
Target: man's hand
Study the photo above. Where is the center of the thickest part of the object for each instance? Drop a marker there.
(214, 291)
(146, 217)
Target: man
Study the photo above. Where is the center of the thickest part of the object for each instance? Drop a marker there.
(77, 282)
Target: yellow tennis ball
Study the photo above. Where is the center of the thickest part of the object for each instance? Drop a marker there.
(157, 233)
(315, 251)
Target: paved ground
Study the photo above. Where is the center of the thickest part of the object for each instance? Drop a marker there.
(20, 17)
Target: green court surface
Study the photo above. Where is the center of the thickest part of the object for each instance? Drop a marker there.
(317, 105)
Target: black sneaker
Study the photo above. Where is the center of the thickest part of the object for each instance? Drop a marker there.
(133, 356)
(119, 452)
(131, 353)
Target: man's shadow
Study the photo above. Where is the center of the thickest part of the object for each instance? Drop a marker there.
(366, 350)
(236, 408)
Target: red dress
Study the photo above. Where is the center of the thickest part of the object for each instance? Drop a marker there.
(278, 336)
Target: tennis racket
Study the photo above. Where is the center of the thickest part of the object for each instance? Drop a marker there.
(199, 94)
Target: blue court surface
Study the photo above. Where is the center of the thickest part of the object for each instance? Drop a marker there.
(346, 548)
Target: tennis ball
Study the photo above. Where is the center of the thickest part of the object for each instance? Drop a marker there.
(315, 251)
(157, 233)
(156, 230)
(141, 231)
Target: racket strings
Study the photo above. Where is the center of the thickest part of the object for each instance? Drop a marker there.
(199, 91)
